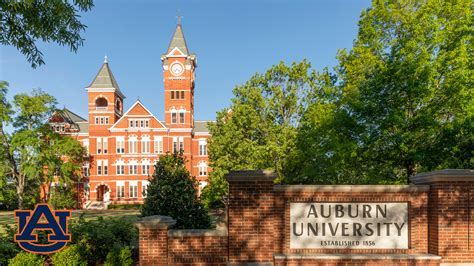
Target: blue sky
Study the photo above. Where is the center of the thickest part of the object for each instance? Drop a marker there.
(232, 40)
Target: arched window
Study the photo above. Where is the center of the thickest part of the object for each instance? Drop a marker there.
(118, 106)
(101, 104)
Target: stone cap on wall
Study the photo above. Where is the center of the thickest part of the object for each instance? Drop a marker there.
(251, 175)
(446, 175)
(156, 222)
(351, 188)
(357, 256)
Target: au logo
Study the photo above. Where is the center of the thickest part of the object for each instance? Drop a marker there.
(42, 218)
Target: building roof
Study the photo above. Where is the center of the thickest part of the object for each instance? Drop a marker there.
(105, 78)
(83, 127)
(201, 126)
(69, 115)
(178, 41)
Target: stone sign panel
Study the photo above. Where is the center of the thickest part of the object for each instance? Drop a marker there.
(338, 225)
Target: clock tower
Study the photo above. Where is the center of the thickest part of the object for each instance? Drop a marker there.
(178, 72)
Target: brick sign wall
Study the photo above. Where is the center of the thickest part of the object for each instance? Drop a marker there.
(430, 222)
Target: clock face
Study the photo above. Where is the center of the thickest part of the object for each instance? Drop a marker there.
(176, 69)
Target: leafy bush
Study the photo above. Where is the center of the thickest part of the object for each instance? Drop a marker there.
(69, 256)
(124, 206)
(95, 237)
(172, 192)
(8, 248)
(119, 256)
(26, 259)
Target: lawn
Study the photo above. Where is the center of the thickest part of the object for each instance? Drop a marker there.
(6, 217)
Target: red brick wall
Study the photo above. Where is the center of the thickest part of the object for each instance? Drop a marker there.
(451, 223)
(153, 247)
(440, 218)
(251, 220)
(206, 250)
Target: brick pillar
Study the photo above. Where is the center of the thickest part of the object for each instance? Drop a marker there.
(251, 216)
(153, 239)
(451, 214)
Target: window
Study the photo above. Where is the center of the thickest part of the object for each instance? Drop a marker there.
(101, 120)
(86, 146)
(178, 95)
(133, 169)
(99, 167)
(105, 164)
(173, 117)
(101, 104)
(120, 143)
(120, 189)
(85, 170)
(133, 145)
(120, 169)
(133, 186)
(175, 145)
(99, 145)
(181, 145)
(145, 145)
(181, 117)
(139, 123)
(158, 145)
(106, 145)
(202, 169)
(202, 148)
(144, 188)
(145, 169)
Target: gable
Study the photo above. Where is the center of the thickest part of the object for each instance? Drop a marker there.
(137, 111)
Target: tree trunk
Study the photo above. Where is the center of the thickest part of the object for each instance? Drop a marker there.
(19, 191)
(411, 170)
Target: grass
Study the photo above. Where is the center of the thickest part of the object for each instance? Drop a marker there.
(6, 217)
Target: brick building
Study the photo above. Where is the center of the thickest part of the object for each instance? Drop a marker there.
(124, 145)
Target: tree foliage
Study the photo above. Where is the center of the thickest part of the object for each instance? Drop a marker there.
(33, 154)
(173, 192)
(404, 100)
(259, 129)
(24, 23)
(399, 102)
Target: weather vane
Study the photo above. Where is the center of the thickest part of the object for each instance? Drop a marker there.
(179, 16)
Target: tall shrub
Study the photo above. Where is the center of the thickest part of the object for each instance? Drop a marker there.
(172, 192)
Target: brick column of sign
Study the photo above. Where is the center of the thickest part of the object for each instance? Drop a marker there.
(451, 214)
(251, 216)
(153, 239)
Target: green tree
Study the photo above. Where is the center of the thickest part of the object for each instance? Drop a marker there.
(32, 154)
(403, 101)
(258, 130)
(23, 23)
(172, 192)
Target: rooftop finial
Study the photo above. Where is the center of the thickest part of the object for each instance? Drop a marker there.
(179, 16)
(105, 59)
